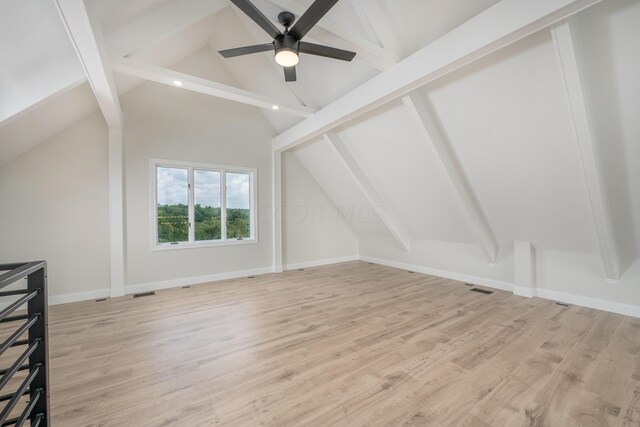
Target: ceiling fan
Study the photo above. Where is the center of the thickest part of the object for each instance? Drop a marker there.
(287, 44)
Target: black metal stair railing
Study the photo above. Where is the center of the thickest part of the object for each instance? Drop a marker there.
(29, 331)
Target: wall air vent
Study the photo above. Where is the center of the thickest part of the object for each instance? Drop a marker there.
(481, 291)
(144, 294)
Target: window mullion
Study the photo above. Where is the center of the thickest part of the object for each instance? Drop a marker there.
(223, 204)
(192, 215)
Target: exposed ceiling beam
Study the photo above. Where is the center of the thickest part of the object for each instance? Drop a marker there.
(276, 198)
(363, 15)
(61, 75)
(86, 38)
(491, 30)
(296, 88)
(574, 89)
(377, 24)
(91, 49)
(393, 224)
(430, 130)
(161, 24)
(329, 32)
(166, 76)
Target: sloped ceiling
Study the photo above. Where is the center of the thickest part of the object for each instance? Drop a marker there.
(31, 35)
(505, 118)
(509, 125)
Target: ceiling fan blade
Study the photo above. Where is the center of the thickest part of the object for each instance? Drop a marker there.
(326, 51)
(246, 50)
(252, 12)
(290, 74)
(311, 17)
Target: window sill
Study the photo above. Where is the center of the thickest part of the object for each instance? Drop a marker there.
(180, 246)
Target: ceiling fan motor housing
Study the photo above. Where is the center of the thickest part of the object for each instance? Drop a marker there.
(286, 42)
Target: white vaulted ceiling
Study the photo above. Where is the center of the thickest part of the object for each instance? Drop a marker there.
(505, 119)
(509, 125)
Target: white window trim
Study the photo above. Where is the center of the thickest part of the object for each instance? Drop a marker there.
(190, 166)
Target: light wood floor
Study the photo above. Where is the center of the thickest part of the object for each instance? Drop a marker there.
(350, 344)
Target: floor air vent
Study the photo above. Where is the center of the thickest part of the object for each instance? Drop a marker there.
(144, 294)
(101, 299)
(562, 304)
(482, 291)
(468, 284)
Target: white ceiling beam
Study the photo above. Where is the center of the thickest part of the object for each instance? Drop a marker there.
(57, 77)
(363, 15)
(393, 224)
(161, 24)
(574, 90)
(431, 132)
(329, 32)
(296, 88)
(491, 30)
(166, 76)
(86, 39)
(376, 24)
(276, 198)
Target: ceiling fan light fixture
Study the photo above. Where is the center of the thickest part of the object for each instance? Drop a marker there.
(286, 48)
(287, 57)
(288, 45)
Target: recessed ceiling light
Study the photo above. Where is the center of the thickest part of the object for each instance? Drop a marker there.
(177, 82)
(275, 107)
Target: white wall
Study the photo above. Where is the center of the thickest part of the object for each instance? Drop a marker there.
(55, 196)
(313, 230)
(577, 278)
(55, 206)
(571, 277)
(169, 123)
(460, 261)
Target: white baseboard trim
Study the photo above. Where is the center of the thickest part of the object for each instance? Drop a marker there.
(78, 296)
(67, 298)
(522, 291)
(568, 298)
(196, 280)
(573, 299)
(320, 262)
(474, 280)
(613, 307)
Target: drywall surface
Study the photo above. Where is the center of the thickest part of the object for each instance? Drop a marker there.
(448, 259)
(313, 228)
(172, 124)
(55, 207)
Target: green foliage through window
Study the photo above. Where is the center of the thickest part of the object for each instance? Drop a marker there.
(173, 223)
(208, 223)
(174, 197)
(238, 224)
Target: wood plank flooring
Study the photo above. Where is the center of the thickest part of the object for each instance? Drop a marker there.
(350, 344)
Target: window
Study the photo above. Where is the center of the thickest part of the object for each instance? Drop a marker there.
(202, 205)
